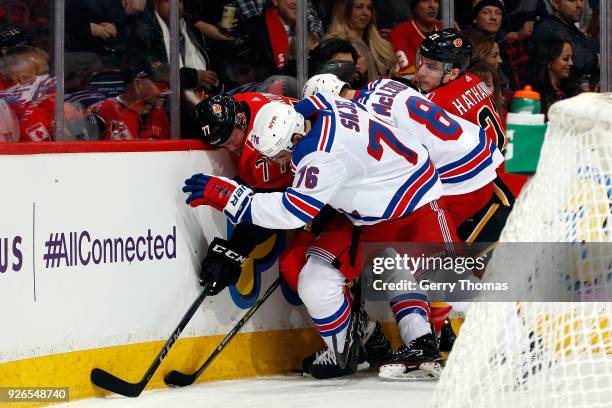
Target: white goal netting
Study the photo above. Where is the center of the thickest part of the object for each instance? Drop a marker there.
(555, 354)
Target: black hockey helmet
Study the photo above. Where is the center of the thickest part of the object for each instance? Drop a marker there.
(448, 46)
(217, 116)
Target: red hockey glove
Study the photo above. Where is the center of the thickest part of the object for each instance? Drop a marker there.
(220, 193)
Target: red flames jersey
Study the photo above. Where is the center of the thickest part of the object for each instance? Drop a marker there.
(122, 123)
(253, 168)
(469, 98)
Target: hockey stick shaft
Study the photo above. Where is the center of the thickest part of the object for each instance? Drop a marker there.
(178, 379)
(109, 382)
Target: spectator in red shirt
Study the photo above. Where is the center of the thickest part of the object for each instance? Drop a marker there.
(137, 113)
(407, 37)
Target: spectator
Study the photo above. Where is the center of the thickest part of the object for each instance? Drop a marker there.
(551, 71)
(487, 17)
(23, 64)
(251, 8)
(355, 20)
(407, 37)
(193, 59)
(562, 24)
(390, 14)
(270, 35)
(490, 76)
(137, 113)
(485, 49)
(98, 27)
(334, 56)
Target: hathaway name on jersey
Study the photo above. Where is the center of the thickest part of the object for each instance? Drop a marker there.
(471, 97)
(359, 165)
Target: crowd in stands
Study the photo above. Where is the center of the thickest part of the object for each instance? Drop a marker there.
(249, 45)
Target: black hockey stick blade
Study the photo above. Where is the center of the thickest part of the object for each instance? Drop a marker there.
(177, 379)
(106, 380)
(109, 382)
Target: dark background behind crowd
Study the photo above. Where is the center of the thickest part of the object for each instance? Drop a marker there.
(117, 52)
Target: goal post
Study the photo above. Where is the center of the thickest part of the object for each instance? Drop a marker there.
(530, 353)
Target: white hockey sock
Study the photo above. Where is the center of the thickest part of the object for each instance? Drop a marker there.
(409, 310)
(321, 288)
(412, 327)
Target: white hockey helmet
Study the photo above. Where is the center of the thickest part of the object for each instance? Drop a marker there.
(273, 128)
(9, 124)
(326, 83)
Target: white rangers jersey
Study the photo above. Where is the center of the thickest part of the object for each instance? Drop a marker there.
(463, 155)
(354, 162)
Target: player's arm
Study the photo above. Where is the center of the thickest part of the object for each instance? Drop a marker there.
(318, 177)
(308, 107)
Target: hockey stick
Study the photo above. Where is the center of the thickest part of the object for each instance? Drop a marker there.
(108, 381)
(177, 379)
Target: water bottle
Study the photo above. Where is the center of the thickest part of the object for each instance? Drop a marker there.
(526, 100)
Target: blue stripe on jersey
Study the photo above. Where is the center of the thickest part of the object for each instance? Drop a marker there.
(304, 197)
(482, 141)
(367, 91)
(466, 176)
(324, 101)
(330, 133)
(399, 194)
(295, 210)
(305, 107)
(310, 143)
(404, 187)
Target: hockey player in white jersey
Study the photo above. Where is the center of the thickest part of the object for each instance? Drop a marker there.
(464, 156)
(380, 177)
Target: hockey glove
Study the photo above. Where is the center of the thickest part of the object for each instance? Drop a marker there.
(220, 193)
(221, 267)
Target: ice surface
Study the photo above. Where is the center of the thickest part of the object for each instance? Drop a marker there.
(362, 390)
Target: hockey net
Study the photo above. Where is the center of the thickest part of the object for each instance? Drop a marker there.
(557, 354)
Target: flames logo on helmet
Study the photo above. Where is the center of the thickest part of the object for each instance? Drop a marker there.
(216, 108)
(458, 42)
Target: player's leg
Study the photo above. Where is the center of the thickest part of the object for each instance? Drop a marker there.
(487, 223)
(419, 356)
(322, 288)
(333, 248)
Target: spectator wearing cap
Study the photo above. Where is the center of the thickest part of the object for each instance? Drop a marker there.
(137, 113)
(407, 37)
(562, 24)
(355, 20)
(487, 18)
(12, 35)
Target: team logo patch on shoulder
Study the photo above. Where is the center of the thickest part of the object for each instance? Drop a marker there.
(217, 108)
(458, 42)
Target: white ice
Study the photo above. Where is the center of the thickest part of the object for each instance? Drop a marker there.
(363, 390)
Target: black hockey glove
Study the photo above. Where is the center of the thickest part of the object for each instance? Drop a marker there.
(221, 267)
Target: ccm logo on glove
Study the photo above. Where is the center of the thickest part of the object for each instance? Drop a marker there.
(229, 253)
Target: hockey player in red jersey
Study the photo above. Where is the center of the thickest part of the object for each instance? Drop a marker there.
(443, 59)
